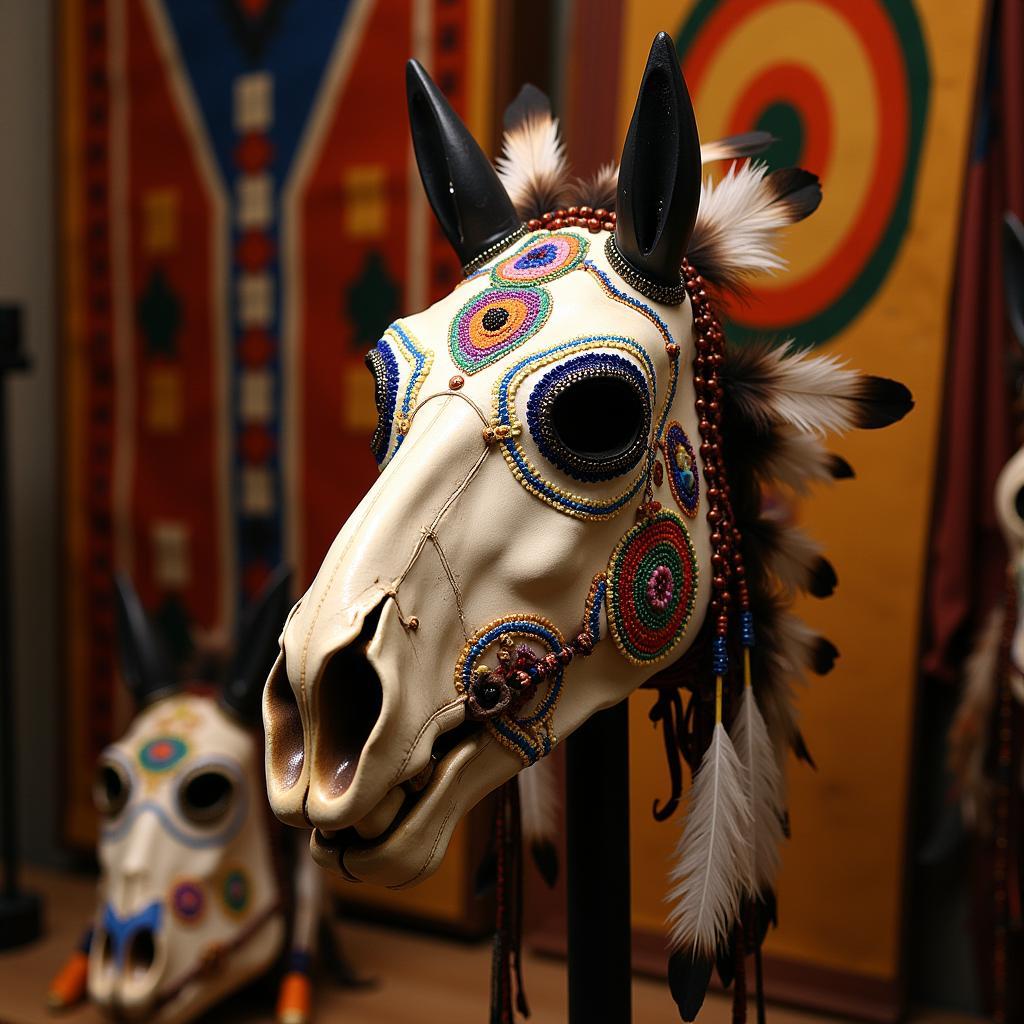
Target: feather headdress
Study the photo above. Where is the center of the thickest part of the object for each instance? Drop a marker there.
(778, 405)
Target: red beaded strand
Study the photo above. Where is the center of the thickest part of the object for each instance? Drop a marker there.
(574, 217)
(726, 559)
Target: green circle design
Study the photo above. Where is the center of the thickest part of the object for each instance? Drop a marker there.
(819, 328)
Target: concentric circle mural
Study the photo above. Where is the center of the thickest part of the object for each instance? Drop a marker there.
(844, 87)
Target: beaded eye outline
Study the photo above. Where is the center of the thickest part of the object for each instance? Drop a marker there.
(506, 423)
(541, 258)
(590, 416)
(396, 356)
(494, 323)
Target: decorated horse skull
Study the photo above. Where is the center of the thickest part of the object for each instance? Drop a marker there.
(554, 523)
(193, 902)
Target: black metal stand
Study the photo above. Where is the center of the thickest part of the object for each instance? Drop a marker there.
(20, 911)
(597, 840)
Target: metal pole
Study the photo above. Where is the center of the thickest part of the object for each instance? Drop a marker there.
(20, 911)
(597, 840)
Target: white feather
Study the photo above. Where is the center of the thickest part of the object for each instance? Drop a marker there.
(538, 796)
(816, 394)
(532, 165)
(766, 792)
(790, 654)
(711, 859)
(738, 220)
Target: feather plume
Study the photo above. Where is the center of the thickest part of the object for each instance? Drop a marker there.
(736, 147)
(533, 166)
(968, 733)
(780, 384)
(777, 453)
(793, 557)
(538, 801)
(739, 218)
(598, 191)
(711, 858)
(766, 792)
(787, 648)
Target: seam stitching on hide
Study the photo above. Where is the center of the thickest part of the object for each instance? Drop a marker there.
(425, 533)
(433, 538)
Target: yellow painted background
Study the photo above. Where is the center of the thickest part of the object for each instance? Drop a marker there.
(841, 889)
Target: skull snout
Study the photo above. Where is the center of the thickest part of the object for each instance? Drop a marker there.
(127, 961)
(328, 734)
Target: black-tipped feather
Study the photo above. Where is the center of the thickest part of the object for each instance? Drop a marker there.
(736, 147)
(688, 980)
(823, 580)
(824, 657)
(883, 402)
(840, 468)
(796, 190)
(801, 750)
(529, 102)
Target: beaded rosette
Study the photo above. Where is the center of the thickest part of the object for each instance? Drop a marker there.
(516, 696)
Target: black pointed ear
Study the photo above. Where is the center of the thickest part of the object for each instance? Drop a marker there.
(467, 197)
(147, 671)
(257, 647)
(1013, 272)
(659, 175)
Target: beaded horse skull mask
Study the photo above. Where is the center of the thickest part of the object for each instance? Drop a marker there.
(193, 902)
(554, 524)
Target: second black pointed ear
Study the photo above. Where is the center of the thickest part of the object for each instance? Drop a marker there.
(147, 671)
(1013, 273)
(464, 190)
(257, 647)
(660, 170)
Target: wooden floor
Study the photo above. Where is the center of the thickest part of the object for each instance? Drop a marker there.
(417, 979)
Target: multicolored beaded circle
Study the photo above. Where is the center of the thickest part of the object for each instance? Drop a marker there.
(235, 891)
(553, 385)
(527, 734)
(188, 901)
(652, 585)
(163, 753)
(683, 471)
(494, 323)
(542, 259)
(503, 416)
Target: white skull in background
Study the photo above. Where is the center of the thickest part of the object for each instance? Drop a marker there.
(191, 900)
(187, 864)
(460, 538)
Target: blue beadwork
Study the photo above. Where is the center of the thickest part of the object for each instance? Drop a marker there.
(515, 454)
(384, 366)
(720, 658)
(747, 628)
(594, 624)
(557, 381)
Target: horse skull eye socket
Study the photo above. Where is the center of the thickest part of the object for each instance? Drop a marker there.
(204, 798)
(111, 789)
(591, 416)
(1018, 503)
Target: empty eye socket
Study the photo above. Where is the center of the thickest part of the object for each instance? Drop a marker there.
(1018, 503)
(383, 365)
(206, 796)
(591, 416)
(111, 788)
